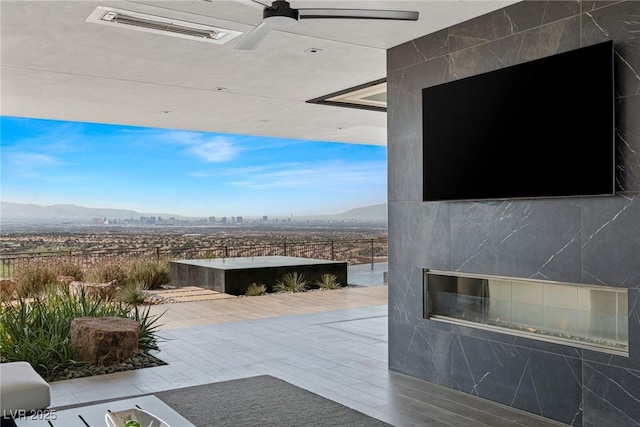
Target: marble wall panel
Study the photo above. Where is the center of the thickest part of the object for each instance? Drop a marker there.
(419, 50)
(538, 382)
(421, 352)
(618, 22)
(611, 254)
(611, 396)
(582, 240)
(518, 238)
(404, 102)
(628, 144)
(405, 184)
(536, 43)
(556, 37)
(423, 241)
(511, 21)
(405, 299)
(518, 341)
(632, 362)
(591, 5)
(508, 22)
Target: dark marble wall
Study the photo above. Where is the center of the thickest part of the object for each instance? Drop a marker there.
(593, 240)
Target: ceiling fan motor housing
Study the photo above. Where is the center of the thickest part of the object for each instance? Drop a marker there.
(281, 15)
(280, 9)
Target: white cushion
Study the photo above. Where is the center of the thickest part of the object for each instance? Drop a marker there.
(22, 388)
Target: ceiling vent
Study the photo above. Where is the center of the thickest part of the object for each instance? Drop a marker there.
(160, 25)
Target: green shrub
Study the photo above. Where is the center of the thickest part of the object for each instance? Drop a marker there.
(38, 330)
(70, 269)
(32, 279)
(132, 293)
(254, 290)
(150, 274)
(291, 282)
(105, 272)
(328, 281)
(148, 333)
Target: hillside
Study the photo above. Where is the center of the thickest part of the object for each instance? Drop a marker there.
(377, 213)
(32, 213)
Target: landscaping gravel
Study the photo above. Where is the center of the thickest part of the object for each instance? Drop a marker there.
(142, 360)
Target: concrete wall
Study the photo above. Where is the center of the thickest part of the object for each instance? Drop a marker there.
(592, 240)
(235, 281)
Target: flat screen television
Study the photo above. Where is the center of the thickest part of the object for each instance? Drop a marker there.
(543, 128)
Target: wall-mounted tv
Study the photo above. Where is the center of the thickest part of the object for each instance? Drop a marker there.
(543, 128)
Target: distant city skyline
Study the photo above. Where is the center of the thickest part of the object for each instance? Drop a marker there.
(189, 173)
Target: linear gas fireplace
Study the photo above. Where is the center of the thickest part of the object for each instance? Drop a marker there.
(585, 316)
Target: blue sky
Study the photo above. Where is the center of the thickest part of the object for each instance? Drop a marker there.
(184, 173)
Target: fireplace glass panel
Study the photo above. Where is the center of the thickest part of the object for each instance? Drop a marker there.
(526, 304)
(501, 307)
(594, 317)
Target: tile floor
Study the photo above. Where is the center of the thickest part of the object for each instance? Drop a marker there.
(333, 343)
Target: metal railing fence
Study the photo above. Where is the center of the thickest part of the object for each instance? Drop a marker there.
(354, 252)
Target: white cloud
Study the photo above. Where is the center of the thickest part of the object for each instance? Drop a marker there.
(216, 150)
(29, 165)
(31, 160)
(313, 175)
(211, 149)
(259, 170)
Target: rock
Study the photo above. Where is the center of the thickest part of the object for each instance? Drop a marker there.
(7, 288)
(98, 290)
(104, 341)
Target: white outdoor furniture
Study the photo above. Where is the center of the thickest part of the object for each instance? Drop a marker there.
(22, 388)
(94, 415)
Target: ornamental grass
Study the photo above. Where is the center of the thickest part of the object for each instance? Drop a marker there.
(37, 330)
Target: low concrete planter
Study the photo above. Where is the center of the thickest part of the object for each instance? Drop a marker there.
(233, 275)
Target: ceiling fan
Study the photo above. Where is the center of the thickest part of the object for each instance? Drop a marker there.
(280, 14)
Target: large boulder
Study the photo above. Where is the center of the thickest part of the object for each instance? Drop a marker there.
(104, 341)
(98, 290)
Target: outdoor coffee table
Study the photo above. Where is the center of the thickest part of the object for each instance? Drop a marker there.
(93, 415)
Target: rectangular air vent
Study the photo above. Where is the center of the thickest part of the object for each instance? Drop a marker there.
(160, 25)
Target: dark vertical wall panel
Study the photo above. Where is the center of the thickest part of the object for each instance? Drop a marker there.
(592, 240)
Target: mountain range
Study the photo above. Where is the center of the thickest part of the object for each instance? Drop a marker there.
(23, 212)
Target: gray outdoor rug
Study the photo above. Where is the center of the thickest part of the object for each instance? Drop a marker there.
(261, 401)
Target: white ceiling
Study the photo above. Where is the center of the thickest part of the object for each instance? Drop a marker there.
(57, 66)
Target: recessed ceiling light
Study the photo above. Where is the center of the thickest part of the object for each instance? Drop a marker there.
(160, 25)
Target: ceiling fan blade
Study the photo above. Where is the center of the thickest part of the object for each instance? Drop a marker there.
(254, 37)
(400, 15)
(261, 4)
